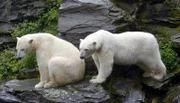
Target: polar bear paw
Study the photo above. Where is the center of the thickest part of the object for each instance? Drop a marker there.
(158, 77)
(39, 85)
(97, 80)
(50, 84)
(94, 77)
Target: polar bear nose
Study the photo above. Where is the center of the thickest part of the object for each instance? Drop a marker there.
(82, 57)
(19, 58)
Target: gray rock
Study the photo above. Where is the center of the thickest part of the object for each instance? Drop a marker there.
(173, 95)
(166, 13)
(18, 91)
(13, 11)
(8, 98)
(78, 18)
(176, 39)
(6, 39)
(130, 91)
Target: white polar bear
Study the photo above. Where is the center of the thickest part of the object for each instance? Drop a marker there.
(138, 48)
(58, 60)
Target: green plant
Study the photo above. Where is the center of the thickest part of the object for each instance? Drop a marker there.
(169, 56)
(44, 21)
(10, 66)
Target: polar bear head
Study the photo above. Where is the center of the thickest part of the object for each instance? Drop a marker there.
(24, 45)
(87, 47)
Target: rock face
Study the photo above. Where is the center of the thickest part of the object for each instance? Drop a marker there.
(78, 18)
(17, 91)
(6, 39)
(129, 91)
(173, 95)
(13, 11)
(167, 13)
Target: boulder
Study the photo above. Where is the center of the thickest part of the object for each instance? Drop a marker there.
(14, 11)
(22, 91)
(6, 40)
(176, 39)
(129, 91)
(173, 95)
(165, 13)
(79, 18)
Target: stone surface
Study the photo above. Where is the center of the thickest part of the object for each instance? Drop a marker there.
(6, 39)
(173, 95)
(17, 91)
(167, 13)
(78, 18)
(130, 91)
(176, 39)
(14, 11)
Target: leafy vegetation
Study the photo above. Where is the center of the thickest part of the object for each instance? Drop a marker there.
(169, 56)
(45, 21)
(10, 66)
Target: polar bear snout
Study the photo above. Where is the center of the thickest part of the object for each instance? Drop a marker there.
(20, 54)
(82, 55)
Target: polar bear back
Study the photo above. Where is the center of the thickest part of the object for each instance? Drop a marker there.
(129, 47)
(54, 46)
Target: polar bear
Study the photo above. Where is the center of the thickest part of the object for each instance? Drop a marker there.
(127, 48)
(58, 60)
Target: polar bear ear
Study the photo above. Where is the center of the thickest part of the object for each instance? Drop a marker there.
(30, 41)
(80, 40)
(94, 43)
(17, 38)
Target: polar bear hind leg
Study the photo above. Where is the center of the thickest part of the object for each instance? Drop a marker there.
(160, 71)
(147, 72)
(58, 72)
(156, 70)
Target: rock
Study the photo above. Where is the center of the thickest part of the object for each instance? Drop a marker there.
(13, 11)
(6, 39)
(176, 39)
(8, 98)
(129, 91)
(166, 13)
(22, 91)
(78, 18)
(28, 73)
(173, 95)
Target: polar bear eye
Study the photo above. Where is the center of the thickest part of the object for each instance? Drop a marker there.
(22, 49)
(85, 49)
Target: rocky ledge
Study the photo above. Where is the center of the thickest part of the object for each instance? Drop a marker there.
(22, 91)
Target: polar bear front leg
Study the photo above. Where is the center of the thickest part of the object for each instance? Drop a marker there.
(96, 61)
(106, 63)
(44, 77)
